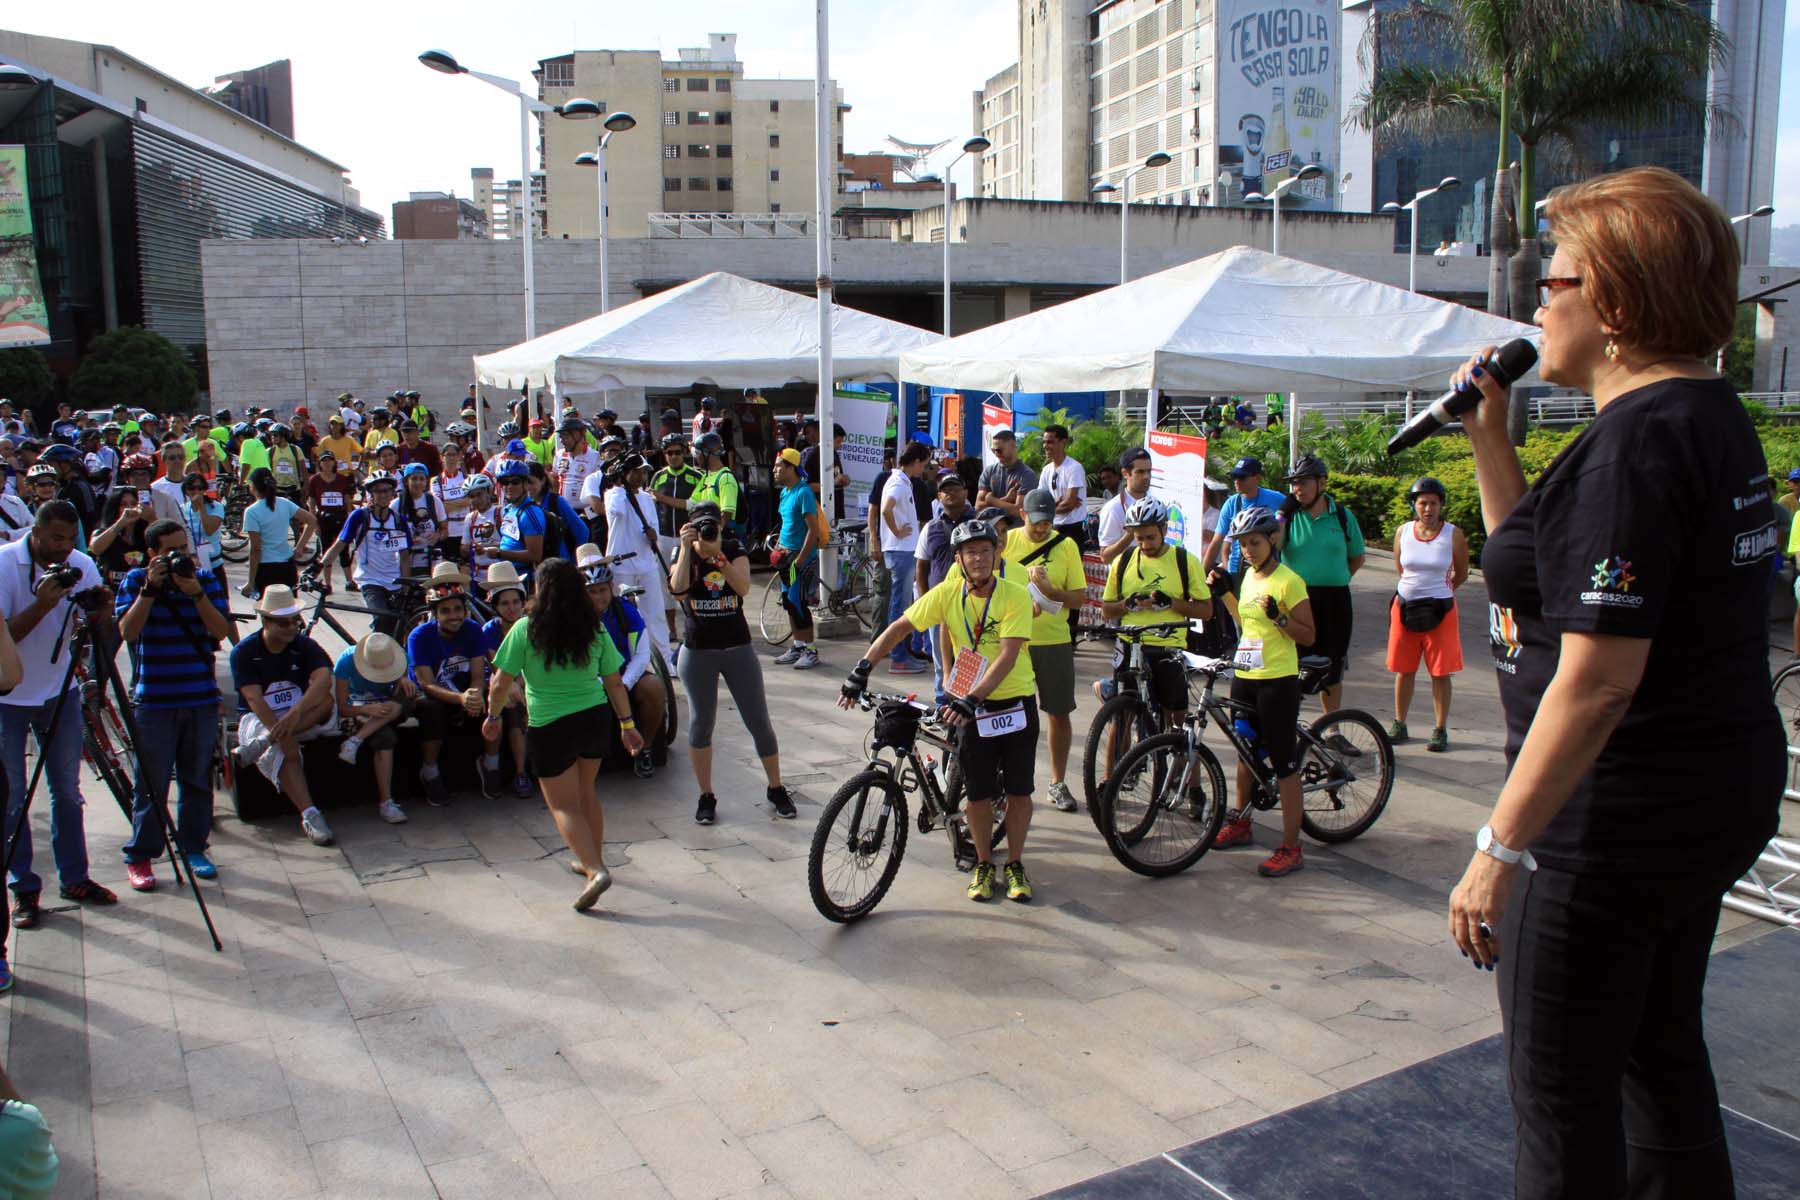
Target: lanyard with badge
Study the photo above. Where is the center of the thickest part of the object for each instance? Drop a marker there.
(968, 669)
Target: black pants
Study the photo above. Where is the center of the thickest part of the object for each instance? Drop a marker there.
(1600, 982)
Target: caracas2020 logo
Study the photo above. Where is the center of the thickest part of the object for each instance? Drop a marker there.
(1611, 585)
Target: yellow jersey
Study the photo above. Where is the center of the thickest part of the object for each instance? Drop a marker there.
(979, 623)
(1266, 650)
(1134, 573)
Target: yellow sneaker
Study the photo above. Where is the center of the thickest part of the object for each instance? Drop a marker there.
(1017, 886)
(981, 884)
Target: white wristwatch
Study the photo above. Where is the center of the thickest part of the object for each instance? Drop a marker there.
(1488, 844)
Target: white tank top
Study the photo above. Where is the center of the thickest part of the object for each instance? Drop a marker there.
(1425, 566)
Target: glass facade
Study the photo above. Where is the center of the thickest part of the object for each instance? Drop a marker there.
(184, 195)
(1405, 166)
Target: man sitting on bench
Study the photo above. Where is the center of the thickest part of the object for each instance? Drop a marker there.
(622, 621)
(283, 681)
(448, 657)
(373, 697)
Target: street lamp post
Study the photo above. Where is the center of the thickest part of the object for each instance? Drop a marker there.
(1309, 171)
(975, 145)
(1123, 187)
(617, 122)
(1753, 215)
(1448, 183)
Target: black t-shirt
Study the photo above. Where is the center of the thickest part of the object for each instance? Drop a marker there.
(283, 677)
(1655, 523)
(126, 551)
(715, 612)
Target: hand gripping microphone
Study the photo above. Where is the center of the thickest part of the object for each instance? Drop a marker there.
(1513, 360)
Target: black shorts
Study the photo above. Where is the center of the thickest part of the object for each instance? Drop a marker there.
(439, 721)
(553, 748)
(1277, 705)
(1168, 675)
(1333, 618)
(268, 574)
(985, 760)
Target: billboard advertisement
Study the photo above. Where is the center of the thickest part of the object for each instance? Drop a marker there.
(24, 320)
(1277, 73)
(1178, 479)
(865, 423)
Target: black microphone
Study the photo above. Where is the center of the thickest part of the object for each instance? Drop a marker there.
(1513, 360)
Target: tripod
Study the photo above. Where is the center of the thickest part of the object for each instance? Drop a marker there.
(92, 635)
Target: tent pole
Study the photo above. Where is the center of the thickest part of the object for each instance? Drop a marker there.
(826, 184)
(1152, 405)
(1293, 420)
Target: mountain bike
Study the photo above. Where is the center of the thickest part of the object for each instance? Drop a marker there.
(858, 592)
(1166, 800)
(861, 836)
(1127, 717)
(234, 543)
(660, 669)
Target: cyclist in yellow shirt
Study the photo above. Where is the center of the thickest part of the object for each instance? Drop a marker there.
(1276, 620)
(987, 621)
(344, 448)
(381, 433)
(1148, 586)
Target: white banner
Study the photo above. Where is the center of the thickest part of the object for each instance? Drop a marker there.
(993, 419)
(1178, 479)
(1277, 97)
(865, 425)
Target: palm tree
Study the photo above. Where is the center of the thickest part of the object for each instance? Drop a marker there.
(1537, 72)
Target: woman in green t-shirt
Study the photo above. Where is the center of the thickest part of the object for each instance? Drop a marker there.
(570, 668)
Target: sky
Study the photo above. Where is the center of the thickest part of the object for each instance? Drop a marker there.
(362, 98)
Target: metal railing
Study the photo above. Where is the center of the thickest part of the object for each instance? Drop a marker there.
(1555, 409)
(735, 225)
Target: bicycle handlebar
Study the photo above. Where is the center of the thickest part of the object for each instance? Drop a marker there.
(1133, 633)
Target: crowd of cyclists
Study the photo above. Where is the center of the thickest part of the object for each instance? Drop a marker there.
(987, 594)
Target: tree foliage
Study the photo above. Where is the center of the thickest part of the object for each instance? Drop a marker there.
(25, 377)
(134, 366)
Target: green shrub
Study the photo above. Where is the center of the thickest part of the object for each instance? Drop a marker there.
(25, 377)
(1371, 498)
(135, 366)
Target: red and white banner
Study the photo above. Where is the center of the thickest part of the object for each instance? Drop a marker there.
(994, 417)
(1178, 479)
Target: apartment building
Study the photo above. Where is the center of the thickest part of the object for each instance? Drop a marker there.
(707, 139)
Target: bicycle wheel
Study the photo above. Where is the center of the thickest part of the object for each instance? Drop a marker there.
(777, 626)
(1123, 721)
(857, 847)
(962, 841)
(1787, 702)
(234, 547)
(861, 597)
(1152, 822)
(105, 763)
(1344, 784)
(670, 716)
(308, 553)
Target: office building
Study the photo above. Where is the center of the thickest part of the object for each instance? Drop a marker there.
(997, 118)
(131, 169)
(708, 139)
(439, 215)
(265, 94)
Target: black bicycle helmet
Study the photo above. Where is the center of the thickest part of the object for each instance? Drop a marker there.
(1309, 466)
(571, 424)
(674, 441)
(1255, 520)
(711, 444)
(223, 416)
(1427, 486)
(976, 530)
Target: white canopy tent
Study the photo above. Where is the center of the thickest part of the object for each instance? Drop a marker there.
(1239, 321)
(719, 329)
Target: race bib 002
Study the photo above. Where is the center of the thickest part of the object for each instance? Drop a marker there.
(1249, 655)
(999, 724)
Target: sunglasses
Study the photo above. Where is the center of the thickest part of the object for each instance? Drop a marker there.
(1547, 288)
(282, 622)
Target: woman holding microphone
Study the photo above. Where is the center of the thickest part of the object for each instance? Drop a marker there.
(570, 668)
(1629, 592)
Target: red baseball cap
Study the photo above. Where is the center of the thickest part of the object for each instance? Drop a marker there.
(302, 411)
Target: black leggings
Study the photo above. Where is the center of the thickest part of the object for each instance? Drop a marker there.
(1600, 982)
(1277, 704)
(270, 573)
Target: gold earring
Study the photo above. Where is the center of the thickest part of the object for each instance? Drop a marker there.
(1612, 350)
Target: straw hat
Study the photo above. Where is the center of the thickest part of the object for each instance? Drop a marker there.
(501, 576)
(379, 658)
(587, 555)
(278, 601)
(447, 582)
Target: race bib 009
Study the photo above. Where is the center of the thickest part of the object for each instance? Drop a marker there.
(282, 696)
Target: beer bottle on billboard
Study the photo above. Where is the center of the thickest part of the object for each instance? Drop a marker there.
(1276, 152)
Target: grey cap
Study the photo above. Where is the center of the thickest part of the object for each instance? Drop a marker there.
(1039, 505)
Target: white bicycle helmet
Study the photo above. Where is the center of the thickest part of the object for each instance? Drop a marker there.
(1148, 511)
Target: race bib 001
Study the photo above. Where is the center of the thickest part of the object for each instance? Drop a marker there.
(999, 724)
(1249, 655)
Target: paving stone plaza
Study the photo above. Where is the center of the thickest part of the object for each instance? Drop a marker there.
(418, 1011)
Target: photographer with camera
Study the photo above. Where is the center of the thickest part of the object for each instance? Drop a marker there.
(711, 576)
(43, 579)
(172, 616)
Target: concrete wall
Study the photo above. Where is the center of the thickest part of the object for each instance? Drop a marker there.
(288, 320)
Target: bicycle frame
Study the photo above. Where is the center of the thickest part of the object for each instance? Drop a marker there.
(1224, 712)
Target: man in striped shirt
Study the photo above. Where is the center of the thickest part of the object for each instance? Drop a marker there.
(174, 616)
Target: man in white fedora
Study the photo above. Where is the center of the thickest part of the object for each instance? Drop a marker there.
(373, 691)
(283, 682)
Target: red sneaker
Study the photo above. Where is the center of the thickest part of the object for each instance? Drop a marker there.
(1285, 861)
(1232, 833)
(140, 876)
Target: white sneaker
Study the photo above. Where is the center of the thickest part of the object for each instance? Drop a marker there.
(392, 813)
(809, 658)
(316, 829)
(788, 657)
(1062, 798)
(349, 749)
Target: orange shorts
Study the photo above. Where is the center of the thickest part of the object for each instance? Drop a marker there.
(1441, 648)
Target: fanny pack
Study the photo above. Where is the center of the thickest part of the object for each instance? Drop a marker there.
(1423, 616)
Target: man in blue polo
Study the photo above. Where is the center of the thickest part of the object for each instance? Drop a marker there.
(1247, 477)
(174, 616)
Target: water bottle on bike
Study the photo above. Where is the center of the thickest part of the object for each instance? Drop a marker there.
(1247, 731)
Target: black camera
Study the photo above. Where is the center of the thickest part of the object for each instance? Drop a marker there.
(93, 600)
(706, 529)
(181, 563)
(62, 575)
